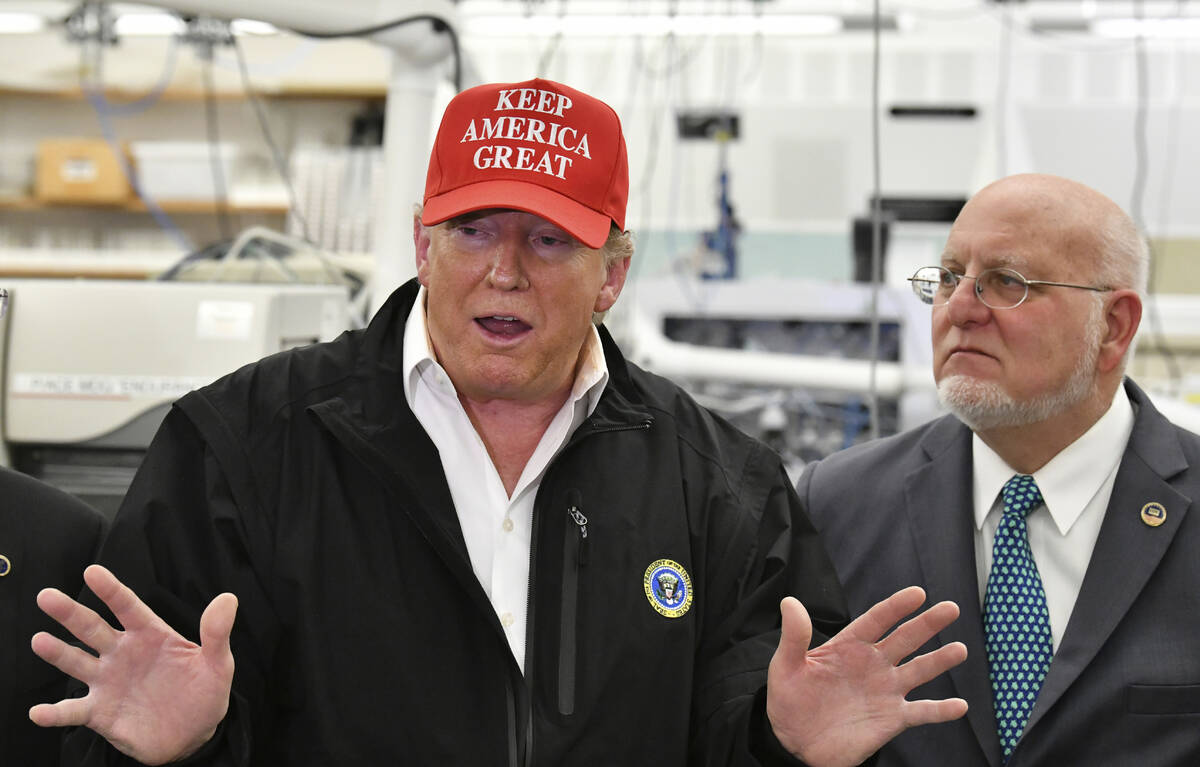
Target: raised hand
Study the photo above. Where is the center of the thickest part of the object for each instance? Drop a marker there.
(839, 703)
(153, 694)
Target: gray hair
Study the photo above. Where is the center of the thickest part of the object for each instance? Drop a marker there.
(616, 248)
(1123, 256)
(1122, 262)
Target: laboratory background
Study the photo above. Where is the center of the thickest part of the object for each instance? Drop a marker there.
(186, 187)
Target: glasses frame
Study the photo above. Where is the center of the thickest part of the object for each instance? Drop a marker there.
(978, 290)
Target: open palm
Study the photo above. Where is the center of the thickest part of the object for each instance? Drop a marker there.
(153, 694)
(837, 704)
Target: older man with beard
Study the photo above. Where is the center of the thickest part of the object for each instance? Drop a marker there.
(1053, 505)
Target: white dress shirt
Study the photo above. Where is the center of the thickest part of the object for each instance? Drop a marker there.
(1076, 486)
(497, 527)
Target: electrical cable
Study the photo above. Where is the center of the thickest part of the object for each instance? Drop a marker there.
(212, 131)
(439, 25)
(1172, 142)
(151, 97)
(1138, 194)
(1054, 38)
(1003, 73)
(876, 230)
(551, 49)
(93, 90)
(335, 275)
(277, 157)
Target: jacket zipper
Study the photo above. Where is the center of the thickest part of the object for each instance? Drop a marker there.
(520, 751)
(529, 601)
(575, 555)
(527, 755)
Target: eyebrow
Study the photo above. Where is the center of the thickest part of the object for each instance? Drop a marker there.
(1001, 261)
(474, 215)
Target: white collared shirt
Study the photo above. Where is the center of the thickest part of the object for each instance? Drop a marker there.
(497, 528)
(1076, 486)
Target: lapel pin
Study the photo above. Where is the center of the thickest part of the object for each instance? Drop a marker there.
(5, 566)
(1154, 514)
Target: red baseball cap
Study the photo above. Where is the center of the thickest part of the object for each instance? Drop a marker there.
(536, 146)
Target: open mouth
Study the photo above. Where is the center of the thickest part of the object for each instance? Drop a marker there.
(502, 325)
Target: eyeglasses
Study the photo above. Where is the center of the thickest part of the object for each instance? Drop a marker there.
(3, 302)
(997, 288)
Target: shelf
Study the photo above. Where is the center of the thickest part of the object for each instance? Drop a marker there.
(118, 96)
(29, 263)
(49, 264)
(137, 206)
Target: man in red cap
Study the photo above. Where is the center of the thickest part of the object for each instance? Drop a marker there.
(472, 533)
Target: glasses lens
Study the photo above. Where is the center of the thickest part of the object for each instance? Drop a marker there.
(928, 282)
(1001, 288)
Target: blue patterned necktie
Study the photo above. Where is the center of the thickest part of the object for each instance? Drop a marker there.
(1015, 618)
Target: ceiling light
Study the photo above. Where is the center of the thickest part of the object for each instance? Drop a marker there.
(1158, 28)
(252, 27)
(134, 24)
(21, 23)
(652, 25)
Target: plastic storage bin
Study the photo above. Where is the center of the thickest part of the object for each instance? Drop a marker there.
(182, 170)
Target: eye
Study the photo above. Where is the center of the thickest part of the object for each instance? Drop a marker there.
(470, 234)
(552, 242)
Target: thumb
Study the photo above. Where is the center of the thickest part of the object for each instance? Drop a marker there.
(797, 633)
(216, 624)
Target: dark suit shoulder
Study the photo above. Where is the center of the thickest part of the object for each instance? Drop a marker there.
(41, 508)
(907, 449)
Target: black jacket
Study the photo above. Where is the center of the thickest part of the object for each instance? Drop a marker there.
(47, 538)
(305, 485)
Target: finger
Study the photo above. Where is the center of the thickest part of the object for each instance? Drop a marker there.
(84, 623)
(68, 659)
(911, 635)
(918, 712)
(923, 668)
(65, 713)
(797, 633)
(882, 616)
(131, 611)
(216, 624)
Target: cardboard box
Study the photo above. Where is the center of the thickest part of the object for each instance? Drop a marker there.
(80, 171)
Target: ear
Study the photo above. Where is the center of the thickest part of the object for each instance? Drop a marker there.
(421, 239)
(1122, 315)
(613, 282)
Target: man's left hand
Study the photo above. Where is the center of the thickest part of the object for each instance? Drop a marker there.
(839, 703)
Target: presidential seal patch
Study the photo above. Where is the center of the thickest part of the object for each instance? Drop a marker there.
(668, 587)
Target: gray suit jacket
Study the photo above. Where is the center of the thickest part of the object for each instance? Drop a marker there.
(1124, 686)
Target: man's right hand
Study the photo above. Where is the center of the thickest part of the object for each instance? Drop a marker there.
(153, 694)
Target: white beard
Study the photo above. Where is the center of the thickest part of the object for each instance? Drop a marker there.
(985, 405)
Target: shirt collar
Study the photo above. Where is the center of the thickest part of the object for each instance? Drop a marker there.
(590, 379)
(1070, 479)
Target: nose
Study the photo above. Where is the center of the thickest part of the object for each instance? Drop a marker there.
(964, 306)
(506, 272)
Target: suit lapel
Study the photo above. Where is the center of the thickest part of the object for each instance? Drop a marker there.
(1127, 550)
(946, 550)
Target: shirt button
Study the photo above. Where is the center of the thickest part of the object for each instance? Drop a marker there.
(506, 620)
(507, 525)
